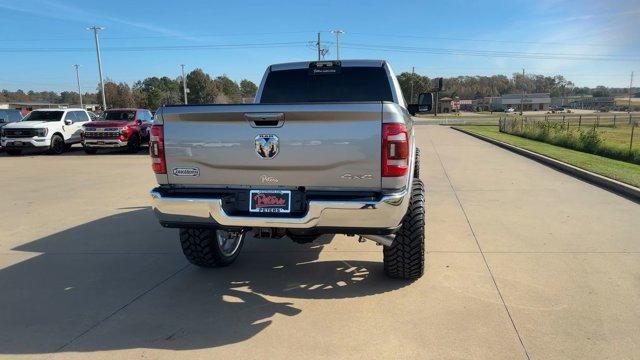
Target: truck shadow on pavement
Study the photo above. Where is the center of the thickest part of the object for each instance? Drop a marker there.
(121, 282)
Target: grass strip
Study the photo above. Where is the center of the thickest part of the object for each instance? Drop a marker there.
(625, 172)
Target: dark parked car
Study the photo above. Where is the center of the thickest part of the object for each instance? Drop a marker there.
(9, 116)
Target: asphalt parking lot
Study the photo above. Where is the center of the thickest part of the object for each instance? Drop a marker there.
(523, 262)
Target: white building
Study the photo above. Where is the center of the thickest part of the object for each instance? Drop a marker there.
(536, 101)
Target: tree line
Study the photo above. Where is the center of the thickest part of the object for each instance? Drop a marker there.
(150, 93)
(476, 87)
(154, 92)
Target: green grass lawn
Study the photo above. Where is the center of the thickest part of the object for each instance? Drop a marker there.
(620, 136)
(464, 115)
(619, 170)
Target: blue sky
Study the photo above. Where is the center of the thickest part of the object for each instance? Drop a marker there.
(590, 42)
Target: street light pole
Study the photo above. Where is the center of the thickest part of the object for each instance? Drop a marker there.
(95, 30)
(337, 33)
(184, 84)
(630, 85)
(78, 80)
(318, 46)
(523, 90)
(413, 75)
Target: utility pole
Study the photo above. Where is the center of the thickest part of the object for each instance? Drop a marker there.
(337, 33)
(78, 80)
(184, 84)
(523, 90)
(324, 52)
(630, 85)
(95, 30)
(413, 75)
(318, 46)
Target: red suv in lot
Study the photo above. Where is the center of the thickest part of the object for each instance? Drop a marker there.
(118, 128)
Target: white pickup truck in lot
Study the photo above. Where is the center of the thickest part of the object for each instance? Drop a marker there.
(53, 130)
(327, 148)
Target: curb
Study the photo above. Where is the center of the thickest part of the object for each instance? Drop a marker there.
(616, 187)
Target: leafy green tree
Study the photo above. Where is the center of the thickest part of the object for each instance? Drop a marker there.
(600, 91)
(69, 97)
(153, 92)
(248, 89)
(118, 95)
(420, 84)
(230, 89)
(90, 98)
(202, 89)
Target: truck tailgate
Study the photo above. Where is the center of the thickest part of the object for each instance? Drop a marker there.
(317, 146)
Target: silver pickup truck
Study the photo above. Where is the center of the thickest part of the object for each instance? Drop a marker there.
(327, 148)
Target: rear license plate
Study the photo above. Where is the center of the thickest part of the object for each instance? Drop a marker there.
(270, 201)
(101, 142)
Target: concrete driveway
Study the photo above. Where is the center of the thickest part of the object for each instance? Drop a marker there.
(523, 262)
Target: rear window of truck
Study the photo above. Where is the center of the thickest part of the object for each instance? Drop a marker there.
(350, 84)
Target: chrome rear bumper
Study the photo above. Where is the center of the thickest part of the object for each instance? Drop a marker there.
(384, 213)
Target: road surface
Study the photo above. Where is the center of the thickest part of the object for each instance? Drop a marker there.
(523, 262)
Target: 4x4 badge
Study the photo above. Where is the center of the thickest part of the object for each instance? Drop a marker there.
(267, 146)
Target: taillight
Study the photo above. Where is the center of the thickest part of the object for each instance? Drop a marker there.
(395, 150)
(156, 150)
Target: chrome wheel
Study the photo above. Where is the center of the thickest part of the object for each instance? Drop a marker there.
(229, 241)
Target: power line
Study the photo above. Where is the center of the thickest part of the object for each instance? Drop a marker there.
(478, 40)
(167, 36)
(487, 53)
(58, 84)
(359, 46)
(454, 51)
(159, 48)
(209, 35)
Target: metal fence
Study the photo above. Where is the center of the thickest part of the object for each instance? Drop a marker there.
(617, 130)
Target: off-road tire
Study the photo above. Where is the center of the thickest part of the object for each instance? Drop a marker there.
(416, 166)
(57, 145)
(404, 259)
(133, 145)
(90, 151)
(14, 152)
(201, 248)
